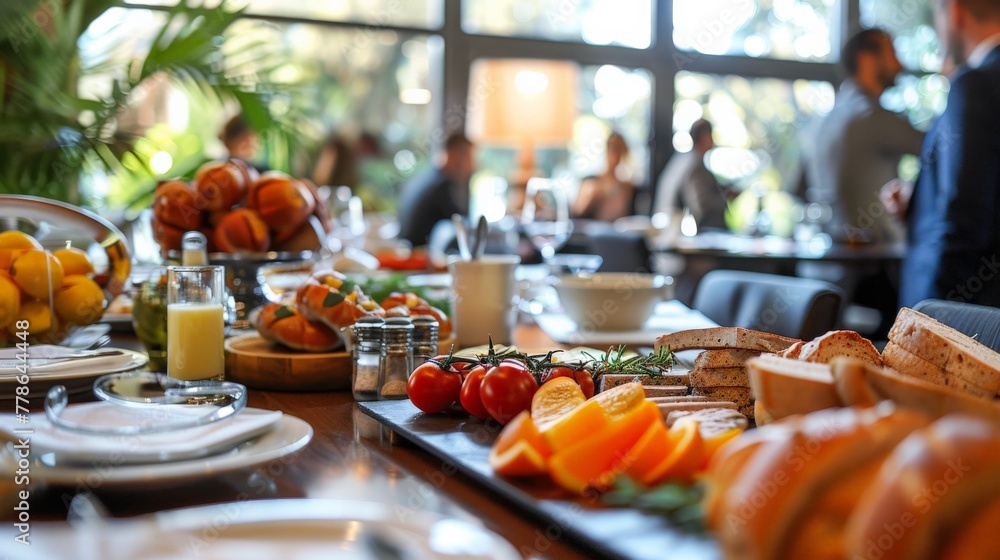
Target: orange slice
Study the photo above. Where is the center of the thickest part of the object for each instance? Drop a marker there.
(619, 400)
(522, 428)
(555, 399)
(684, 458)
(648, 452)
(580, 424)
(592, 462)
(519, 449)
(713, 443)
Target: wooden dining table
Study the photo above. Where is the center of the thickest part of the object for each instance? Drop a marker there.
(351, 457)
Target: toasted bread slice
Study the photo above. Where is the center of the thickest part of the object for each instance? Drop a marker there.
(947, 348)
(840, 343)
(673, 379)
(793, 350)
(908, 363)
(681, 398)
(739, 395)
(666, 390)
(786, 387)
(724, 358)
(720, 377)
(724, 337)
(909, 391)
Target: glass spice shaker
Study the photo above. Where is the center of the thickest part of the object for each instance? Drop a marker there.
(367, 358)
(425, 338)
(397, 357)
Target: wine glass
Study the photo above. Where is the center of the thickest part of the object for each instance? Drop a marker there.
(545, 216)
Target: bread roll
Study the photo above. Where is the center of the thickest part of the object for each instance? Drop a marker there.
(241, 230)
(410, 304)
(223, 184)
(786, 387)
(839, 343)
(283, 202)
(329, 297)
(285, 324)
(794, 493)
(175, 205)
(936, 496)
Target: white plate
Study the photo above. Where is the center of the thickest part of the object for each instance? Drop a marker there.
(80, 380)
(668, 317)
(289, 435)
(287, 529)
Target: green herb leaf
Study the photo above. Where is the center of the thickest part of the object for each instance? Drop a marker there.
(283, 312)
(332, 298)
(680, 503)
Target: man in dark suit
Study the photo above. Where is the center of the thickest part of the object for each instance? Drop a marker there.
(437, 193)
(953, 226)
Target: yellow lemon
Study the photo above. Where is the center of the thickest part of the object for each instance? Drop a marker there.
(74, 261)
(10, 301)
(37, 314)
(79, 301)
(35, 271)
(13, 239)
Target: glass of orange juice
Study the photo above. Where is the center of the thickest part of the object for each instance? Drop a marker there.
(195, 323)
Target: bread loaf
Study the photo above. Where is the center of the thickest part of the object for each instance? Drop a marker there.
(786, 387)
(945, 347)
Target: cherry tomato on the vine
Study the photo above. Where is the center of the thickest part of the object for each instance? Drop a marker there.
(507, 389)
(433, 387)
(582, 377)
(469, 396)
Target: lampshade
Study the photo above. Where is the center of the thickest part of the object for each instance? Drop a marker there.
(518, 101)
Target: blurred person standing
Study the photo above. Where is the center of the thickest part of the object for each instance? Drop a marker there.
(435, 194)
(857, 147)
(607, 196)
(686, 182)
(952, 220)
(241, 141)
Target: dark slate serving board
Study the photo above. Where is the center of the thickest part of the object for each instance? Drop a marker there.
(463, 444)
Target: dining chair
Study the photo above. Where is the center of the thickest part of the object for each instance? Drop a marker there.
(978, 321)
(621, 251)
(796, 307)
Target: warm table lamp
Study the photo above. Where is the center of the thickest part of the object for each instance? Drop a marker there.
(522, 102)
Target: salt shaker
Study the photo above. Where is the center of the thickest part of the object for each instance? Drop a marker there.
(367, 358)
(425, 338)
(397, 357)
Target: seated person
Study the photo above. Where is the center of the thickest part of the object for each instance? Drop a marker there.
(438, 193)
(606, 197)
(687, 183)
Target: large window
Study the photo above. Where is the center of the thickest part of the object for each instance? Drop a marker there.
(628, 23)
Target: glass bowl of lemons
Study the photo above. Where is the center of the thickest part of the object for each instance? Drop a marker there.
(60, 265)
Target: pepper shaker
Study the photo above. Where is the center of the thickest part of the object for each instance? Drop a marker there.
(367, 358)
(425, 338)
(397, 357)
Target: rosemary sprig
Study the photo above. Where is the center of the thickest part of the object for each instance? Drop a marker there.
(651, 365)
(680, 503)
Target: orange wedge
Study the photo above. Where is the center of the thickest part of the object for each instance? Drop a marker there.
(713, 443)
(619, 400)
(580, 424)
(648, 452)
(684, 459)
(592, 462)
(519, 449)
(555, 399)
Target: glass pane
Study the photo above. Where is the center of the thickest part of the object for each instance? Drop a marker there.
(627, 23)
(608, 98)
(404, 13)
(911, 24)
(757, 122)
(355, 83)
(783, 29)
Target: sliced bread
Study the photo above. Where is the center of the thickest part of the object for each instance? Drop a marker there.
(666, 390)
(786, 387)
(907, 363)
(739, 395)
(719, 377)
(682, 398)
(835, 344)
(711, 421)
(724, 337)
(667, 408)
(673, 379)
(793, 350)
(724, 358)
(947, 348)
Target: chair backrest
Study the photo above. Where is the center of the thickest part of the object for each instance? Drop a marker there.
(978, 321)
(796, 307)
(622, 251)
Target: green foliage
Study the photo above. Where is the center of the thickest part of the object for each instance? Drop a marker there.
(52, 134)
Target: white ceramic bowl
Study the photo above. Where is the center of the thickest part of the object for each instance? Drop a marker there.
(611, 301)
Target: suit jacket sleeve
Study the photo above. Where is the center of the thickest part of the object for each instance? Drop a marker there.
(968, 176)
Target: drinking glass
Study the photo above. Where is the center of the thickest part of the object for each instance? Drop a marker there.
(545, 216)
(195, 323)
(149, 317)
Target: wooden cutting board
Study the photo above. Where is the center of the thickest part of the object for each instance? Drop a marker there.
(264, 365)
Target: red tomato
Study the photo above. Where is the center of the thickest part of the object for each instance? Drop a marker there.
(432, 388)
(582, 377)
(507, 390)
(469, 397)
